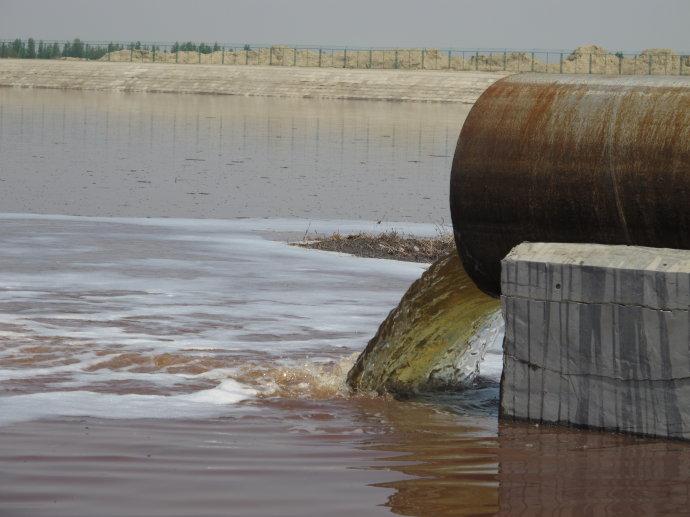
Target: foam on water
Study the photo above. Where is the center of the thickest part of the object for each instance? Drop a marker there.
(203, 403)
(140, 317)
(169, 318)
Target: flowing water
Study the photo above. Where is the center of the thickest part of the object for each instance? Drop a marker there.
(197, 366)
(435, 338)
(132, 317)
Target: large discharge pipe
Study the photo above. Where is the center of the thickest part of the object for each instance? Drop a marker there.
(571, 159)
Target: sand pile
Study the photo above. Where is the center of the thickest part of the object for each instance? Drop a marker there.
(163, 56)
(597, 60)
(662, 60)
(512, 61)
(590, 59)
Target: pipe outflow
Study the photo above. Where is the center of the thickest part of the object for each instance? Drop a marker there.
(571, 159)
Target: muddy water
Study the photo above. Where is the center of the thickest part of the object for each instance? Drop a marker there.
(197, 367)
(434, 339)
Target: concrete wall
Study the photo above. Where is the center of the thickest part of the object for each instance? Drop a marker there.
(274, 81)
(598, 336)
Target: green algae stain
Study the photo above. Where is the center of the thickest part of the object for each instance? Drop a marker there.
(424, 342)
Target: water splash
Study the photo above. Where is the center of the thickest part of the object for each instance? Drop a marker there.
(434, 339)
(308, 379)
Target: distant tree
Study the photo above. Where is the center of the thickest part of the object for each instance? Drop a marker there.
(3, 50)
(30, 49)
(175, 47)
(45, 50)
(66, 49)
(188, 46)
(112, 47)
(216, 47)
(77, 48)
(17, 48)
(247, 47)
(55, 51)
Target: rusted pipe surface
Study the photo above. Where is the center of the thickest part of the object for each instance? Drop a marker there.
(571, 159)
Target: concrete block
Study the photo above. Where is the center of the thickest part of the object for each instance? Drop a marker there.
(598, 336)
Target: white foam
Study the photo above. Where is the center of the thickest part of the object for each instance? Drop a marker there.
(206, 403)
(227, 392)
(491, 365)
(91, 289)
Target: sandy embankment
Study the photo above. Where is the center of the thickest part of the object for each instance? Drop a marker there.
(322, 83)
(584, 59)
(460, 77)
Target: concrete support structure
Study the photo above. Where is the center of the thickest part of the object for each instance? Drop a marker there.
(598, 336)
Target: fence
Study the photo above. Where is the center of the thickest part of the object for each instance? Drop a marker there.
(584, 60)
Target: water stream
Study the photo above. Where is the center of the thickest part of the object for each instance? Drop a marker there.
(435, 338)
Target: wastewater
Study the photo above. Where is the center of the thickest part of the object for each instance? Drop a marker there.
(434, 339)
(160, 338)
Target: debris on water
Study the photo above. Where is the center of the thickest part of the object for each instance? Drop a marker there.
(390, 245)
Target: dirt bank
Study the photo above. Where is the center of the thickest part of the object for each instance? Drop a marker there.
(266, 81)
(389, 245)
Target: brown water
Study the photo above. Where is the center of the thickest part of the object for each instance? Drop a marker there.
(195, 367)
(347, 457)
(434, 339)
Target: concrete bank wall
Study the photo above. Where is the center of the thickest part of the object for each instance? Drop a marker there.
(598, 336)
(274, 81)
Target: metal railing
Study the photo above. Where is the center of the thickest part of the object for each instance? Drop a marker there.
(585, 60)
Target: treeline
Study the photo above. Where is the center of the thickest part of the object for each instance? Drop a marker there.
(31, 49)
(76, 48)
(189, 46)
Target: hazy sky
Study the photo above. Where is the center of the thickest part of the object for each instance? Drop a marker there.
(554, 24)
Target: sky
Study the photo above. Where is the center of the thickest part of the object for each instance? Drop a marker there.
(487, 24)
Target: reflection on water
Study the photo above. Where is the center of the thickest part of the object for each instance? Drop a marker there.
(337, 457)
(589, 473)
(86, 153)
(467, 466)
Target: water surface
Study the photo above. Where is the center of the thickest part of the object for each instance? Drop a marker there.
(146, 155)
(196, 367)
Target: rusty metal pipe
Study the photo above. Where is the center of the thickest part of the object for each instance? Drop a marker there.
(571, 159)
